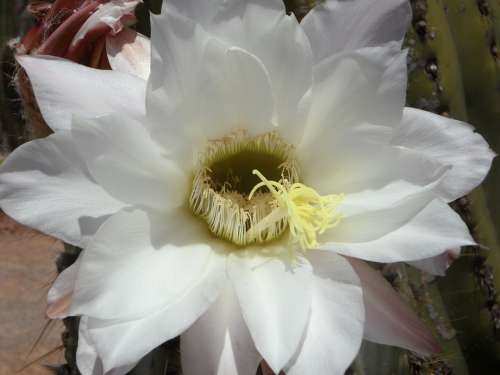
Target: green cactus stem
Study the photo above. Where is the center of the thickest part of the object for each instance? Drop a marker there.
(434, 79)
(474, 35)
(433, 311)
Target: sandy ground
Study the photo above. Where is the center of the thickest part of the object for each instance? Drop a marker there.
(26, 270)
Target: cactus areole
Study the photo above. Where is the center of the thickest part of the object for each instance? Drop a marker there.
(232, 194)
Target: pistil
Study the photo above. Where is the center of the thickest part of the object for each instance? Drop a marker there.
(308, 214)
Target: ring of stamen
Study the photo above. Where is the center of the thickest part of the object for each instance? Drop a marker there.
(223, 181)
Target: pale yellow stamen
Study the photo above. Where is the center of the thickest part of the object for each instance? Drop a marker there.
(308, 213)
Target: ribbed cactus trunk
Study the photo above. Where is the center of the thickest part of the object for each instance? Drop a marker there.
(453, 70)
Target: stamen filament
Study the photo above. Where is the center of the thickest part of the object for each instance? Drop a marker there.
(308, 213)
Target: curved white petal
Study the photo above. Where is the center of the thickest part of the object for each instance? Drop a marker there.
(63, 88)
(86, 355)
(129, 52)
(110, 14)
(408, 179)
(123, 343)
(177, 49)
(45, 184)
(450, 142)
(263, 28)
(335, 328)
(87, 359)
(334, 26)
(439, 264)
(232, 92)
(357, 98)
(219, 343)
(242, 83)
(139, 263)
(369, 173)
(365, 86)
(259, 27)
(128, 163)
(412, 230)
(388, 319)
(275, 299)
(211, 13)
(287, 42)
(61, 292)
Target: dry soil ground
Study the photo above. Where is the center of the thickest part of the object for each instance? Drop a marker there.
(26, 271)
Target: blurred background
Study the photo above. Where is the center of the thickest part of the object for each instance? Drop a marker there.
(453, 68)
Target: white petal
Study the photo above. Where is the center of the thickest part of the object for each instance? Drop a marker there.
(219, 342)
(124, 160)
(390, 190)
(61, 292)
(411, 230)
(439, 264)
(388, 319)
(246, 93)
(139, 263)
(211, 14)
(274, 38)
(263, 28)
(86, 355)
(334, 26)
(129, 52)
(177, 49)
(63, 88)
(87, 358)
(110, 14)
(451, 143)
(275, 298)
(369, 173)
(357, 98)
(123, 343)
(287, 42)
(335, 328)
(232, 92)
(45, 184)
(366, 86)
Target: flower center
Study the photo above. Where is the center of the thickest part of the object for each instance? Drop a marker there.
(223, 191)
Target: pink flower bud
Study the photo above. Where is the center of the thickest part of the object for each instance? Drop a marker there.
(75, 30)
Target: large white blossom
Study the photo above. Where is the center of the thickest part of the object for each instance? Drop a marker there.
(150, 170)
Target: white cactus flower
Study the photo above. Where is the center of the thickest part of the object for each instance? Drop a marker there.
(232, 196)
